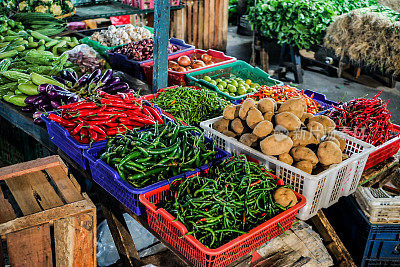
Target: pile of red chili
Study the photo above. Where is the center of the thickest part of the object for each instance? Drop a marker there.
(89, 122)
(366, 119)
(281, 93)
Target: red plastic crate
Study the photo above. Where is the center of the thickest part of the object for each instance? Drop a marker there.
(179, 78)
(174, 232)
(146, 4)
(387, 149)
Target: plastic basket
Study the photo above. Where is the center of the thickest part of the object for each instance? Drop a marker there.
(101, 49)
(132, 67)
(240, 69)
(378, 206)
(109, 179)
(366, 242)
(320, 99)
(387, 149)
(322, 190)
(179, 78)
(162, 222)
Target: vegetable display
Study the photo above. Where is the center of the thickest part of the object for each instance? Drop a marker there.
(89, 122)
(43, 23)
(54, 8)
(89, 84)
(186, 63)
(233, 86)
(158, 153)
(281, 93)
(191, 105)
(9, 26)
(229, 200)
(87, 62)
(141, 50)
(126, 34)
(366, 119)
(287, 132)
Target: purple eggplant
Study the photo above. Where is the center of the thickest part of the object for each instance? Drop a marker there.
(113, 80)
(55, 104)
(115, 88)
(73, 99)
(45, 106)
(38, 121)
(40, 100)
(82, 81)
(106, 76)
(59, 94)
(95, 76)
(61, 80)
(37, 114)
(31, 99)
(43, 87)
(29, 108)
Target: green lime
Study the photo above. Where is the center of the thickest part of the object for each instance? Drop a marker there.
(218, 80)
(241, 90)
(246, 86)
(207, 78)
(220, 87)
(256, 85)
(223, 84)
(248, 81)
(213, 82)
(232, 88)
(234, 83)
(253, 85)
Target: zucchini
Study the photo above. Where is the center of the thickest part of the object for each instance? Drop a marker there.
(40, 36)
(41, 48)
(39, 79)
(18, 92)
(19, 48)
(51, 43)
(15, 75)
(8, 87)
(33, 44)
(8, 54)
(18, 100)
(28, 89)
(4, 65)
(41, 42)
(59, 45)
(11, 38)
(40, 57)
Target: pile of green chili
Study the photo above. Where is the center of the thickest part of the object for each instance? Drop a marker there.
(228, 201)
(158, 153)
(190, 104)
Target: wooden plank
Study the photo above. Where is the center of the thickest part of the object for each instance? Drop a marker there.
(28, 167)
(184, 22)
(201, 24)
(74, 239)
(82, 206)
(195, 14)
(189, 26)
(211, 24)
(30, 247)
(217, 26)
(206, 24)
(33, 192)
(6, 211)
(2, 263)
(224, 29)
(377, 172)
(334, 244)
(64, 184)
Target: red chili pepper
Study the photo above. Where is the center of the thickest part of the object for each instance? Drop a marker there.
(60, 120)
(83, 105)
(97, 129)
(77, 129)
(155, 114)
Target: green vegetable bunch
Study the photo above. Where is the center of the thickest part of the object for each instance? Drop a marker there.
(9, 26)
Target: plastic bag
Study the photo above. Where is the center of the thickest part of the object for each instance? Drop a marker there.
(87, 59)
(137, 85)
(146, 244)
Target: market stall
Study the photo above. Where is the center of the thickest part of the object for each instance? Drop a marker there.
(217, 161)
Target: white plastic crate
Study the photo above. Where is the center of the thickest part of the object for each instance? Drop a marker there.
(378, 206)
(322, 190)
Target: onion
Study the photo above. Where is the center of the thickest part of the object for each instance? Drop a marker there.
(172, 64)
(206, 58)
(198, 64)
(184, 61)
(180, 69)
(209, 63)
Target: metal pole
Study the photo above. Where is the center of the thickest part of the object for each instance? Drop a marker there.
(161, 37)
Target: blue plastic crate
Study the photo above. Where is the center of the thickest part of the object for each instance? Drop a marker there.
(109, 179)
(134, 68)
(64, 141)
(369, 244)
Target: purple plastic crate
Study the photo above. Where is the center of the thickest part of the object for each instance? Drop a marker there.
(64, 141)
(133, 68)
(109, 179)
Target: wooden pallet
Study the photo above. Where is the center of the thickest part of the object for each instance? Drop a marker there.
(44, 219)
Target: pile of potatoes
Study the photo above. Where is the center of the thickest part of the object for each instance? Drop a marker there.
(285, 131)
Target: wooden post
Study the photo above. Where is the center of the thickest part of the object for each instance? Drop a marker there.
(161, 34)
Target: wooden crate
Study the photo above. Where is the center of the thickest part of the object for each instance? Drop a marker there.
(202, 23)
(44, 219)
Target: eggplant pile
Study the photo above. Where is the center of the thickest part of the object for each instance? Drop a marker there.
(141, 50)
(89, 84)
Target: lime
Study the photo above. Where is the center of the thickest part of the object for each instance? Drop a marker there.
(207, 78)
(234, 83)
(253, 85)
(223, 84)
(218, 80)
(246, 86)
(232, 88)
(248, 81)
(220, 87)
(213, 82)
(241, 90)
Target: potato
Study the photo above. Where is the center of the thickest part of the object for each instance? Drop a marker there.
(285, 157)
(248, 139)
(263, 128)
(328, 123)
(329, 153)
(316, 128)
(237, 126)
(304, 165)
(231, 112)
(333, 139)
(295, 105)
(276, 144)
(254, 116)
(244, 108)
(221, 125)
(288, 121)
(342, 142)
(300, 153)
(268, 116)
(285, 197)
(266, 105)
(229, 133)
(305, 116)
(302, 138)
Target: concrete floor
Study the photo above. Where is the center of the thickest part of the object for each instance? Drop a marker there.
(336, 89)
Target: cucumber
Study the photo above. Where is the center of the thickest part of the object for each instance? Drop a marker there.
(51, 43)
(33, 44)
(41, 42)
(19, 48)
(18, 100)
(8, 54)
(18, 92)
(41, 48)
(28, 89)
(39, 79)
(40, 36)
(15, 75)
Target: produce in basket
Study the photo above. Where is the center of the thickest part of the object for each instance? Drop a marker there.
(186, 63)
(310, 145)
(229, 200)
(190, 104)
(141, 50)
(126, 34)
(366, 119)
(281, 93)
(86, 58)
(89, 122)
(158, 153)
(233, 86)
